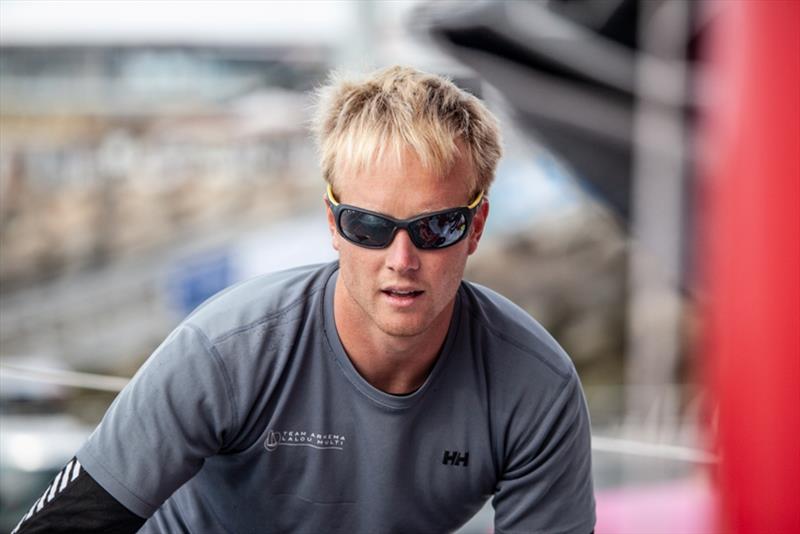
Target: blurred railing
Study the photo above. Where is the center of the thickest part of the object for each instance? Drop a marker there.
(599, 443)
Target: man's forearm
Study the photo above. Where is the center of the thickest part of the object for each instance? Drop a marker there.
(74, 502)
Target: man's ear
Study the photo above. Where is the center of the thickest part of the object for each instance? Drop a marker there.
(331, 223)
(478, 224)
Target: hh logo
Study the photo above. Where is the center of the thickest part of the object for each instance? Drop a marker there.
(456, 458)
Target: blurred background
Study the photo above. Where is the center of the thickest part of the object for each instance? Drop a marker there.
(153, 153)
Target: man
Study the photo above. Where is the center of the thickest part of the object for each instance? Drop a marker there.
(380, 393)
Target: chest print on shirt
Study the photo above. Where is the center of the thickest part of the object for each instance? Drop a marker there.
(303, 438)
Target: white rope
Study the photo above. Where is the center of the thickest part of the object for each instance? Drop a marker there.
(652, 450)
(116, 383)
(64, 378)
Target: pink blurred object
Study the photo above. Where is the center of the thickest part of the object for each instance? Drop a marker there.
(676, 507)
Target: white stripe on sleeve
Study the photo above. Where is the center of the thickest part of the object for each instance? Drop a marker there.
(25, 517)
(30, 512)
(55, 486)
(42, 500)
(76, 470)
(65, 478)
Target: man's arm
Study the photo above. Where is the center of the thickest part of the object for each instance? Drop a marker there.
(176, 412)
(155, 436)
(546, 484)
(74, 502)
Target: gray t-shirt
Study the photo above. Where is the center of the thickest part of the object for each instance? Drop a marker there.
(251, 418)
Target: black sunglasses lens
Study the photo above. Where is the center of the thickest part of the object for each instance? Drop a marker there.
(438, 231)
(365, 229)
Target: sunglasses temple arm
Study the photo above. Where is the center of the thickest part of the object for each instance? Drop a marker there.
(474, 203)
(331, 198)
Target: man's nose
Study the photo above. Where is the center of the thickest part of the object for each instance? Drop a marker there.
(402, 255)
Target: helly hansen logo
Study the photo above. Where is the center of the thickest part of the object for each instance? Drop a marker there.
(455, 458)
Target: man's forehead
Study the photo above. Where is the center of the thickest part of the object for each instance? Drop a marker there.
(390, 171)
(381, 193)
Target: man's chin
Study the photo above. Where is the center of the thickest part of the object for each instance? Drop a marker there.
(403, 329)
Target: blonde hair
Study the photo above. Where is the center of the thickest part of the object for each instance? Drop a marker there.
(360, 121)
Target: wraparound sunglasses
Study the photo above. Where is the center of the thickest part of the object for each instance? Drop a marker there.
(435, 230)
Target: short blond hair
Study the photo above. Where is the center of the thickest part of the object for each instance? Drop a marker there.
(358, 121)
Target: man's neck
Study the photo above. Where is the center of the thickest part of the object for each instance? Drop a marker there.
(394, 364)
(398, 372)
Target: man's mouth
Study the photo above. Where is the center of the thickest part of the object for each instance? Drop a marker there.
(402, 295)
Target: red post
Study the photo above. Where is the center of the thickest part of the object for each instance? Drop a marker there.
(751, 260)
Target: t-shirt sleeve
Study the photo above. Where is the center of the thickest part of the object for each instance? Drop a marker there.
(546, 483)
(177, 410)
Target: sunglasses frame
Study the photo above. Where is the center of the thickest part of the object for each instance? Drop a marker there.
(337, 209)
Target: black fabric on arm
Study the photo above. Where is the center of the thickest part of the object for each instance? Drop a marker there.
(74, 502)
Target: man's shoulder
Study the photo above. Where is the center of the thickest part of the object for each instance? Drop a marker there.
(270, 297)
(513, 337)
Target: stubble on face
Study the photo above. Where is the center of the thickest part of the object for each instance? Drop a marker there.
(431, 311)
